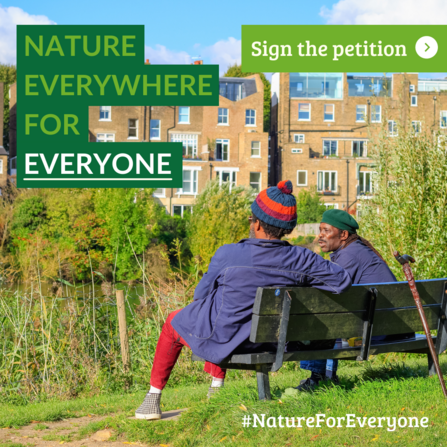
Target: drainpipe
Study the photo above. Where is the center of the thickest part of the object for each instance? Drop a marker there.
(347, 185)
(434, 112)
(144, 126)
(167, 139)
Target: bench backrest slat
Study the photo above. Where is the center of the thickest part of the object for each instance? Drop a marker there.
(318, 315)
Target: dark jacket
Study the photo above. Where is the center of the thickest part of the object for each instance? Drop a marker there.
(219, 318)
(362, 264)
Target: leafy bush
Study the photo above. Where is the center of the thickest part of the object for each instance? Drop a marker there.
(309, 207)
(220, 217)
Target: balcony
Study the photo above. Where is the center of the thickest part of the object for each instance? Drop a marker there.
(329, 193)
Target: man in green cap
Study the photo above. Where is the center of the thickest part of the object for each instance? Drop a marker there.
(365, 265)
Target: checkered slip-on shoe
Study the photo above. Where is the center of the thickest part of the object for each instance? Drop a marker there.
(212, 390)
(150, 408)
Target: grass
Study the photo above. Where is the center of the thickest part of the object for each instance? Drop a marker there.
(371, 390)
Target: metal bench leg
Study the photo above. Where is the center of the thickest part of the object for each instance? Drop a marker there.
(431, 365)
(262, 375)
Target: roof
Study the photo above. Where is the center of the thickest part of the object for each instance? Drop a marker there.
(3, 151)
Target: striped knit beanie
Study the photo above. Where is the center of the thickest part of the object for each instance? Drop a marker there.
(276, 206)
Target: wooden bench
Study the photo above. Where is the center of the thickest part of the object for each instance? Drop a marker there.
(291, 314)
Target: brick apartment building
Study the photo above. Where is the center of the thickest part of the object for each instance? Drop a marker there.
(225, 142)
(319, 127)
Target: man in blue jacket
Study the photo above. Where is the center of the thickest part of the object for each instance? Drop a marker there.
(365, 265)
(218, 321)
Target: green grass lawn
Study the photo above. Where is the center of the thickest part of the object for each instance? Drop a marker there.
(366, 391)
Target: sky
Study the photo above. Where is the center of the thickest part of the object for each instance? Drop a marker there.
(179, 31)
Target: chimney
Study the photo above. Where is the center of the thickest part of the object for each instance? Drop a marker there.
(147, 62)
(198, 62)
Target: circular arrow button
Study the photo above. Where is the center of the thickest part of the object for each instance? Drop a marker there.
(426, 47)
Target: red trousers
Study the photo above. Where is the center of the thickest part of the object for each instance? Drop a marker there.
(167, 352)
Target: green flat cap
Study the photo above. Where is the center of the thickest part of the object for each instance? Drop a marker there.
(341, 220)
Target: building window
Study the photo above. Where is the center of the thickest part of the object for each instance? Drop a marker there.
(189, 142)
(155, 130)
(160, 192)
(13, 166)
(226, 177)
(359, 148)
(105, 137)
(222, 151)
(105, 113)
(132, 129)
(301, 178)
(376, 114)
(366, 182)
(327, 181)
(250, 117)
(443, 122)
(412, 88)
(416, 125)
(182, 210)
(304, 112)
(367, 86)
(316, 85)
(256, 149)
(298, 138)
(189, 182)
(183, 115)
(1, 166)
(234, 91)
(414, 101)
(360, 113)
(331, 206)
(329, 112)
(392, 128)
(222, 116)
(330, 147)
(255, 180)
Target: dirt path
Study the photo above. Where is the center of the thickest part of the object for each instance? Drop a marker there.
(32, 435)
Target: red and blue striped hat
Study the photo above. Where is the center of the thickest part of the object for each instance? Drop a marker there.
(276, 206)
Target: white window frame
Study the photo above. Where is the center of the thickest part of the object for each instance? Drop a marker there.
(227, 116)
(299, 138)
(107, 139)
(260, 180)
(221, 171)
(365, 148)
(412, 88)
(297, 178)
(109, 111)
(186, 139)
(336, 144)
(380, 113)
(223, 141)
(159, 130)
(415, 98)
(395, 131)
(363, 173)
(194, 181)
(161, 195)
(310, 111)
(136, 128)
(329, 205)
(333, 113)
(336, 181)
(183, 114)
(441, 112)
(419, 127)
(250, 118)
(1, 165)
(365, 108)
(182, 206)
(251, 150)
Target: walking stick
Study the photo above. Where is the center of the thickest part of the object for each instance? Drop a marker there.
(405, 261)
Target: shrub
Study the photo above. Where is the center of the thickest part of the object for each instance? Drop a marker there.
(309, 207)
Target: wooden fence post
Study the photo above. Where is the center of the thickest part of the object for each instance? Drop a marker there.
(121, 307)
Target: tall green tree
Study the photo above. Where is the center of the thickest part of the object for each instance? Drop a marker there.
(234, 71)
(408, 211)
(8, 75)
